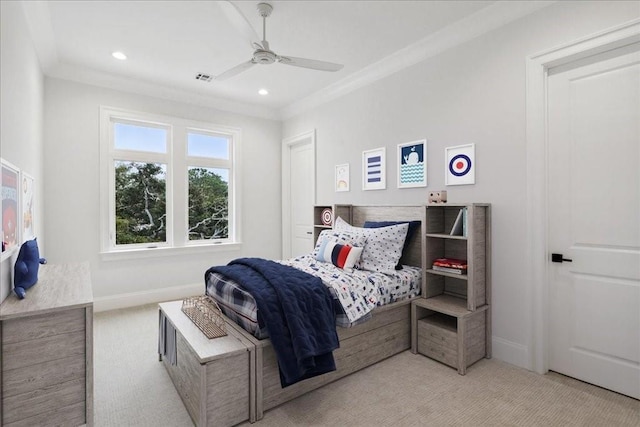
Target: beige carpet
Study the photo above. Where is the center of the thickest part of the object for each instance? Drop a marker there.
(133, 389)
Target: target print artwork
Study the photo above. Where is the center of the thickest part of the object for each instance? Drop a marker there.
(412, 164)
(460, 167)
(327, 216)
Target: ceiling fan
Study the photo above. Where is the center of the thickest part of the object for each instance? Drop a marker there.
(263, 54)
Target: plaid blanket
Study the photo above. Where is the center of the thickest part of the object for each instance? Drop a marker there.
(239, 306)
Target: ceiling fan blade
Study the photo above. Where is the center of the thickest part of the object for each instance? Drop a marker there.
(236, 70)
(239, 21)
(310, 63)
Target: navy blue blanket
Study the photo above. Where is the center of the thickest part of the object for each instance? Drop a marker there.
(297, 309)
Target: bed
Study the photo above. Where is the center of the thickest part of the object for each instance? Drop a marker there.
(382, 331)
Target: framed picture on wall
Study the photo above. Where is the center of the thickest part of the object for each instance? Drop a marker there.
(342, 177)
(373, 169)
(10, 208)
(27, 195)
(412, 164)
(460, 166)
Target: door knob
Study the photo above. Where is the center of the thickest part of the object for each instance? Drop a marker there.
(559, 258)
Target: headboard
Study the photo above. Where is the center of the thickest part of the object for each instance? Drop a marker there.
(413, 255)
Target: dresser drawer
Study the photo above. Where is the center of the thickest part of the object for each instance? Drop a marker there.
(42, 401)
(437, 339)
(43, 375)
(438, 352)
(27, 353)
(42, 326)
(437, 333)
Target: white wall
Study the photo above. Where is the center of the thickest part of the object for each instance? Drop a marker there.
(474, 93)
(72, 198)
(21, 110)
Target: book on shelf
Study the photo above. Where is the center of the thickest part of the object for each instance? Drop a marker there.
(450, 265)
(449, 270)
(460, 224)
(451, 262)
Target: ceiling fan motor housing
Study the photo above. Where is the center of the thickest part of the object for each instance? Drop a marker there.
(264, 57)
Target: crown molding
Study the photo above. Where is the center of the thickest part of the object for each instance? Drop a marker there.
(487, 19)
(126, 84)
(38, 20)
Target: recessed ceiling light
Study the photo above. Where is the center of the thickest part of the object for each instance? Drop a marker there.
(119, 55)
(263, 92)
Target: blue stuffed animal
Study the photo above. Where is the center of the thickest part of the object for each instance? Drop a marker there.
(26, 268)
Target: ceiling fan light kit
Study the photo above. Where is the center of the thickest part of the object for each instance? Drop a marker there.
(263, 54)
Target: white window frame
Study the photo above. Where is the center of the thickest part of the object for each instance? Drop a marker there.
(177, 183)
(209, 162)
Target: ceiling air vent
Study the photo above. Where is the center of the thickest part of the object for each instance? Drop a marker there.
(203, 77)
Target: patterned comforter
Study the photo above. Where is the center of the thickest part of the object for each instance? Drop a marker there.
(355, 292)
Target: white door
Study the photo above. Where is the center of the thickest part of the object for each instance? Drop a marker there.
(302, 195)
(298, 194)
(594, 220)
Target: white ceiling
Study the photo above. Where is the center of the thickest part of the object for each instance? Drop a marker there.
(169, 42)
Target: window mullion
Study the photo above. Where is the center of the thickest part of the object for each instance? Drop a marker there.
(180, 186)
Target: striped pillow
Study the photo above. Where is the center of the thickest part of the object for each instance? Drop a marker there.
(342, 256)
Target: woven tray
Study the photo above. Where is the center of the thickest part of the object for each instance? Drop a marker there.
(206, 315)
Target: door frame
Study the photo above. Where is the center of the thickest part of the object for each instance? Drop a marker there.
(537, 273)
(287, 145)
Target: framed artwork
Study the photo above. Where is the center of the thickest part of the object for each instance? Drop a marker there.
(342, 177)
(373, 169)
(412, 164)
(27, 195)
(10, 207)
(460, 167)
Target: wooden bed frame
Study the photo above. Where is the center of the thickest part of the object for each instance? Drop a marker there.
(388, 332)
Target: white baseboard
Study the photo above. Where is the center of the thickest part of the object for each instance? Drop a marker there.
(133, 299)
(510, 352)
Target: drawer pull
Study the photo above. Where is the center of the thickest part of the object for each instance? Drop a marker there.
(436, 336)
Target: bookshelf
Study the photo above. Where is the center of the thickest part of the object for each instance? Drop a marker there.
(451, 322)
(343, 211)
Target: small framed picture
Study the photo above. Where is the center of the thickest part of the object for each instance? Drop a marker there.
(27, 194)
(342, 177)
(460, 166)
(373, 169)
(412, 164)
(10, 208)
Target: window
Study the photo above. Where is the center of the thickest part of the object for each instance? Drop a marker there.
(209, 166)
(166, 182)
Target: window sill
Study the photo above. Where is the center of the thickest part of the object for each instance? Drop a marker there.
(129, 254)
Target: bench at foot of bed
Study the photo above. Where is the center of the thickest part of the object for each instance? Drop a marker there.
(225, 381)
(215, 378)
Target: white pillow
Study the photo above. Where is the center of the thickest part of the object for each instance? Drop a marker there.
(344, 237)
(383, 247)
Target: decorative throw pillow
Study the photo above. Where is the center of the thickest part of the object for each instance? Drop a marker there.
(383, 247)
(343, 237)
(413, 226)
(342, 256)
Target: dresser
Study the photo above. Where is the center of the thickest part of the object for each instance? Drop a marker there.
(46, 357)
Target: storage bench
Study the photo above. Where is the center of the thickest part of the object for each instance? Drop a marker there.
(215, 378)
